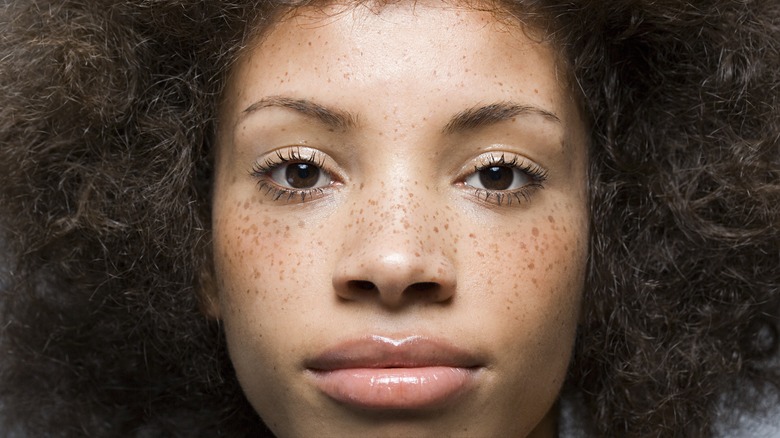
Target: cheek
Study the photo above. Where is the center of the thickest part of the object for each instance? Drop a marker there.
(532, 276)
(260, 261)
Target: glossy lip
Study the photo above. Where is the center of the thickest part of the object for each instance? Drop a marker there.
(379, 372)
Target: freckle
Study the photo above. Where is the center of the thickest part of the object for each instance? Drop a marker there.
(551, 219)
(472, 235)
(480, 253)
(435, 229)
(417, 254)
(535, 232)
(531, 266)
(536, 91)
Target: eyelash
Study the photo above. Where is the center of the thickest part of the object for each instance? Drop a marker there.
(262, 170)
(535, 173)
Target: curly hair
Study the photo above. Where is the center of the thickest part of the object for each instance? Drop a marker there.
(106, 128)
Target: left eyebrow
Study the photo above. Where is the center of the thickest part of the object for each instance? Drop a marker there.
(481, 116)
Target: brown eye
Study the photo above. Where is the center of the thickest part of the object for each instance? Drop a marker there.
(300, 176)
(498, 178)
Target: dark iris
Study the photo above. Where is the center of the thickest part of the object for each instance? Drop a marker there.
(496, 177)
(302, 175)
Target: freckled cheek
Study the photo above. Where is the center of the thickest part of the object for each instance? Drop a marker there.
(259, 256)
(535, 271)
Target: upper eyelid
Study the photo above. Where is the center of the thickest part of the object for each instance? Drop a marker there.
(500, 157)
(285, 154)
(293, 154)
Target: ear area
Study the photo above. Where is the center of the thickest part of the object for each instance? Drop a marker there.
(208, 295)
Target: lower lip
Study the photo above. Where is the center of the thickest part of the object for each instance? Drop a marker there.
(395, 388)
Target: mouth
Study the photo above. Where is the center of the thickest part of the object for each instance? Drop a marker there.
(378, 373)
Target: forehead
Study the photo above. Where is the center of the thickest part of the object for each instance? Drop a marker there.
(356, 47)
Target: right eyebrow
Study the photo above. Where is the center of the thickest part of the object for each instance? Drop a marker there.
(331, 117)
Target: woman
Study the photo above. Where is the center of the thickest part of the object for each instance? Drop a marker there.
(387, 219)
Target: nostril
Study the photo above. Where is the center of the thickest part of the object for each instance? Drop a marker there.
(424, 286)
(361, 284)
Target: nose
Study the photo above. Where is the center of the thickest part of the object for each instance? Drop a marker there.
(395, 260)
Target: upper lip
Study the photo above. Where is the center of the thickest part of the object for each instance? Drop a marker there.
(392, 352)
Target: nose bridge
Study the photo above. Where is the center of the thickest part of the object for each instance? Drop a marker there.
(397, 220)
(394, 246)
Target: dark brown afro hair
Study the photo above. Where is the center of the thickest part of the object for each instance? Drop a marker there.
(107, 113)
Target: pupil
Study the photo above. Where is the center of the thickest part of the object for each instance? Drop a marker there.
(302, 175)
(496, 177)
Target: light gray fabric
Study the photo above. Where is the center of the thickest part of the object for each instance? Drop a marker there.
(761, 425)
(765, 425)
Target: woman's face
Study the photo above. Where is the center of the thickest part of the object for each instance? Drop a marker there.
(400, 224)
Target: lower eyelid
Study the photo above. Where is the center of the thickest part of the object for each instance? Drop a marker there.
(278, 193)
(507, 198)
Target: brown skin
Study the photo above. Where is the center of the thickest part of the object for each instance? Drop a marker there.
(397, 205)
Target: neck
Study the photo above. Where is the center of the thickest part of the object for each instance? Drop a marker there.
(548, 427)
